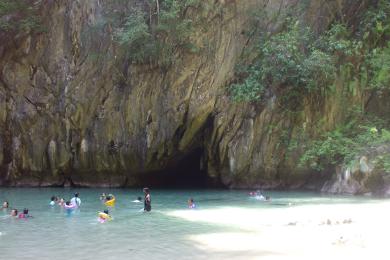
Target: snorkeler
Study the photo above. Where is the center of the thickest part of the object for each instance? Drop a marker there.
(138, 200)
(191, 203)
(5, 205)
(76, 200)
(147, 200)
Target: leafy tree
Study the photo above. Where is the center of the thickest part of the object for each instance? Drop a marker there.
(378, 65)
(136, 36)
(154, 35)
(19, 16)
(250, 88)
(288, 59)
(342, 145)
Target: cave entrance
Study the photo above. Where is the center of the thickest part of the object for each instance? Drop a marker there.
(186, 172)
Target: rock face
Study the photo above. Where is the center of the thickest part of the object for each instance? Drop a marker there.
(365, 176)
(71, 115)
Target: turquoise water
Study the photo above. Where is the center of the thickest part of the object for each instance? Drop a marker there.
(54, 234)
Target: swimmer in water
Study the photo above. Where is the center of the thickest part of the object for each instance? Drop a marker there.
(105, 216)
(191, 203)
(138, 200)
(259, 196)
(52, 201)
(256, 193)
(103, 196)
(147, 200)
(69, 206)
(25, 214)
(76, 201)
(14, 213)
(110, 200)
(61, 202)
(5, 205)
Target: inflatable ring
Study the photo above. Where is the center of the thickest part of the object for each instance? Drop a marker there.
(104, 216)
(110, 203)
(71, 206)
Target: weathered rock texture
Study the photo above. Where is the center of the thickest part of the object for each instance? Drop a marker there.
(366, 175)
(70, 116)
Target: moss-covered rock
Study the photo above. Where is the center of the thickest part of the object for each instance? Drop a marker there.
(73, 110)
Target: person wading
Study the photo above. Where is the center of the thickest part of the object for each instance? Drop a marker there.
(147, 200)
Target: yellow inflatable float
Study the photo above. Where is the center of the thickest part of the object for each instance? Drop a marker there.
(110, 203)
(103, 217)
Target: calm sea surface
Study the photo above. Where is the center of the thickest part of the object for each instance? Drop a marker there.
(170, 231)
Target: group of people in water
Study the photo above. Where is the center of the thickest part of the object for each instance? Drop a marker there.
(15, 213)
(109, 201)
(259, 196)
(75, 202)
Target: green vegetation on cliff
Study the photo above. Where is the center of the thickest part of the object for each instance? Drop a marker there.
(154, 34)
(364, 58)
(297, 59)
(293, 61)
(343, 145)
(289, 59)
(19, 15)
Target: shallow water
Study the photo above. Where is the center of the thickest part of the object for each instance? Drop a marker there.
(225, 225)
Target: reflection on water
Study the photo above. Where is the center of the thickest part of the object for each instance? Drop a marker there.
(226, 224)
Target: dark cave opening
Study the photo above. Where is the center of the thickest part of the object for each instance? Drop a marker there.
(187, 172)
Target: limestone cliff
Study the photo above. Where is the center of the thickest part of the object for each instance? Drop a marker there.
(70, 116)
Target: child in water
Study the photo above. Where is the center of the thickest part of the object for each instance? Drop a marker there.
(5, 205)
(69, 207)
(52, 201)
(61, 202)
(14, 213)
(138, 200)
(191, 203)
(25, 214)
(104, 216)
(110, 200)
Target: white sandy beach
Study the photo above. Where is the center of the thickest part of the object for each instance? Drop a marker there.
(298, 232)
